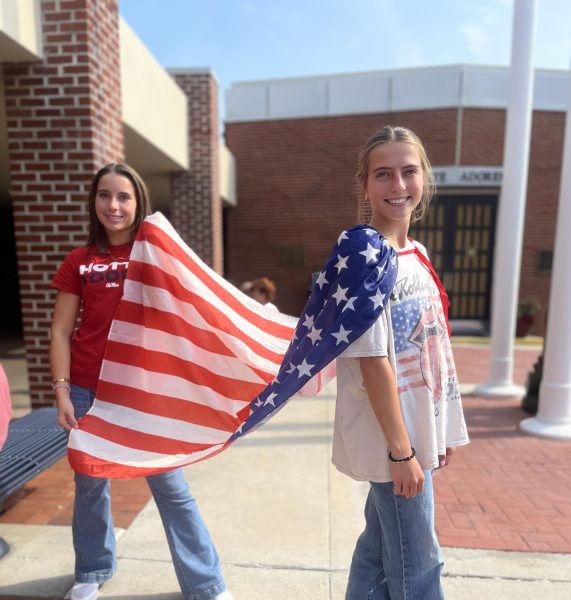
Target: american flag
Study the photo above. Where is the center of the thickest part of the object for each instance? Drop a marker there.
(192, 364)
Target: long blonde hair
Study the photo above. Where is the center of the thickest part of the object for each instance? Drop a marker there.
(384, 136)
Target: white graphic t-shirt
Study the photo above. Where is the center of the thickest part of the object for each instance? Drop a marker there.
(412, 333)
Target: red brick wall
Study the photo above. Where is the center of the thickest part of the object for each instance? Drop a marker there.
(295, 187)
(296, 191)
(63, 123)
(196, 206)
(483, 136)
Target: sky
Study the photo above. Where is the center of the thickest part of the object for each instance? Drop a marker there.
(244, 40)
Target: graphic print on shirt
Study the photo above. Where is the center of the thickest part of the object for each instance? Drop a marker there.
(99, 272)
(419, 332)
(426, 336)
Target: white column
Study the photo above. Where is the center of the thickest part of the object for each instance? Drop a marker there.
(509, 229)
(553, 418)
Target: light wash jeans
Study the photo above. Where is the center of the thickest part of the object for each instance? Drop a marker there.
(397, 556)
(195, 559)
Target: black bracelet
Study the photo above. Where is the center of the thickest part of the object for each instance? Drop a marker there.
(401, 460)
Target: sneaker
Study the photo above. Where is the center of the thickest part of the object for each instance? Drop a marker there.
(226, 595)
(83, 591)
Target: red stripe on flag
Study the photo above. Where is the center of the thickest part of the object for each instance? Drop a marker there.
(86, 464)
(215, 318)
(167, 406)
(138, 440)
(158, 237)
(153, 318)
(168, 364)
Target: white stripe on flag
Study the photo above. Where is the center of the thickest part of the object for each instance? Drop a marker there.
(175, 429)
(167, 385)
(182, 348)
(115, 453)
(159, 221)
(161, 299)
(155, 256)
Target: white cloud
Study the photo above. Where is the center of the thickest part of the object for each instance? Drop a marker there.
(476, 39)
(485, 27)
(553, 43)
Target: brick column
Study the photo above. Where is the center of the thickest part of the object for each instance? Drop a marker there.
(64, 122)
(196, 206)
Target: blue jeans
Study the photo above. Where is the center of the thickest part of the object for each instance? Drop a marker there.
(195, 559)
(397, 556)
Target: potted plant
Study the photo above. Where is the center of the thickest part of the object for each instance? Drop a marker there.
(526, 311)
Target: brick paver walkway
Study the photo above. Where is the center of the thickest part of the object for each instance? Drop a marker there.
(505, 490)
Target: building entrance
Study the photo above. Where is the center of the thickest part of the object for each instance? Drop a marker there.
(11, 322)
(458, 232)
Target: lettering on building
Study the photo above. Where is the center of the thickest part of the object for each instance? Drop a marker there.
(459, 176)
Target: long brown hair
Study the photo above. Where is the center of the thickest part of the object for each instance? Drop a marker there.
(97, 233)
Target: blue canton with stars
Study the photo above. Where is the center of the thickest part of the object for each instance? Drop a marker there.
(405, 317)
(350, 293)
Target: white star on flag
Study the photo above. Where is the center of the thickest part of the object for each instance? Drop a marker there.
(341, 335)
(370, 253)
(377, 299)
(308, 321)
(341, 263)
(304, 368)
(350, 304)
(340, 294)
(270, 399)
(321, 281)
(314, 335)
(342, 237)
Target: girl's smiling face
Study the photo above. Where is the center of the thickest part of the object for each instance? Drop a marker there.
(116, 207)
(394, 184)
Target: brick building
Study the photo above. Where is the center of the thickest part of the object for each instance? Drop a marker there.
(78, 89)
(296, 141)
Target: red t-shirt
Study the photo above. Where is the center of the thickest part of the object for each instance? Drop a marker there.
(98, 280)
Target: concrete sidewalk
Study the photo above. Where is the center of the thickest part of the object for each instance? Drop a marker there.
(285, 523)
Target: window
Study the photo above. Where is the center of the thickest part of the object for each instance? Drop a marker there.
(291, 255)
(545, 261)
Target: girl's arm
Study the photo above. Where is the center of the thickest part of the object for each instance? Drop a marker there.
(63, 324)
(380, 384)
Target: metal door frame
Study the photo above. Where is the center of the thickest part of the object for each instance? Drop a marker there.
(475, 304)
